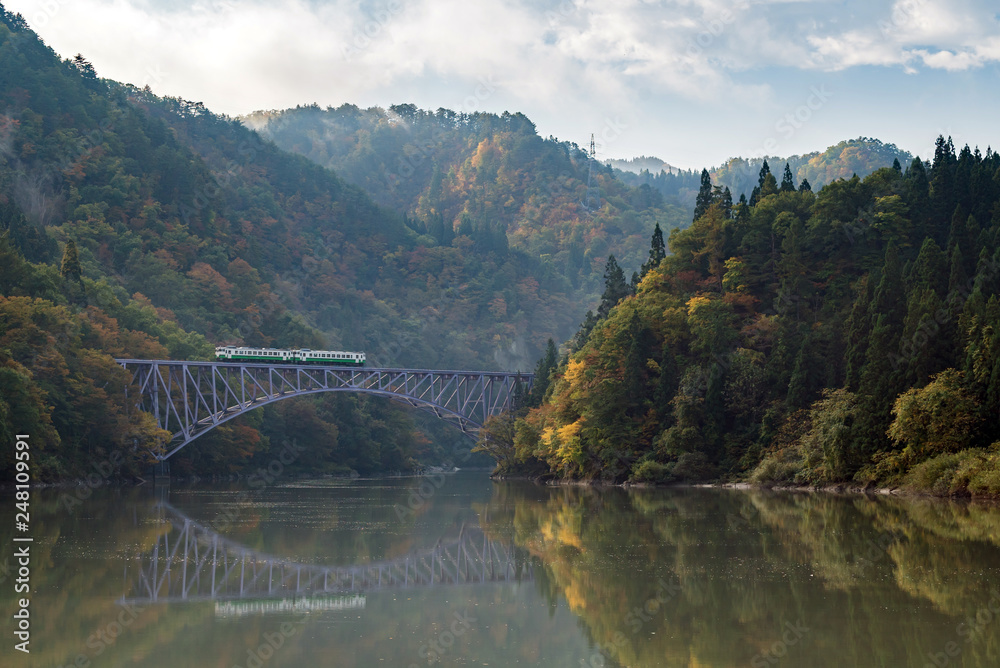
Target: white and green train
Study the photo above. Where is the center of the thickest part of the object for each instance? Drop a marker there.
(282, 356)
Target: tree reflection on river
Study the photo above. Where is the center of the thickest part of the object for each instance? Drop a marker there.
(719, 577)
(355, 573)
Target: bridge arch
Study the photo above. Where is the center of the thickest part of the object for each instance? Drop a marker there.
(191, 562)
(190, 399)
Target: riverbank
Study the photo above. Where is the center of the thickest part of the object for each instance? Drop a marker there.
(844, 488)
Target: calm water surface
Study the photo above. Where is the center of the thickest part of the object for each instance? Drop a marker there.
(458, 570)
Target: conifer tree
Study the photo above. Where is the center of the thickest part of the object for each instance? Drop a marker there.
(858, 330)
(787, 182)
(805, 187)
(634, 380)
(882, 373)
(615, 288)
(704, 198)
(70, 268)
(769, 186)
(764, 171)
(657, 251)
(726, 203)
(742, 211)
(942, 181)
(546, 366)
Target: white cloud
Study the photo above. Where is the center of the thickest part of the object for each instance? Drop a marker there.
(578, 61)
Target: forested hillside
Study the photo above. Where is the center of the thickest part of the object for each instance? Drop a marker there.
(487, 177)
(860, 156)
(140, 226)
(846, 335)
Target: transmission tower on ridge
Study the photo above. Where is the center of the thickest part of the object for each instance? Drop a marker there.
(593, 192)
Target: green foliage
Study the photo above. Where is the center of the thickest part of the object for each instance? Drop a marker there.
(808, 339)
(181, 229)
(615, 288)
(938, 418)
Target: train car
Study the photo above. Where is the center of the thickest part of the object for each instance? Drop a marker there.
(335, 357)
(247, 354)
(283, 356)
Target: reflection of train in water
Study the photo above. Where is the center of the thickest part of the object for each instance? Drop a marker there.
(296, 356)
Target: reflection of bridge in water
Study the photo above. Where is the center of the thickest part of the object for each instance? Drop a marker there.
(193, 563)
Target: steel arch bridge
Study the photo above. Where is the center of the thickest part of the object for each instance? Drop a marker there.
(190, 562)
(189, 399)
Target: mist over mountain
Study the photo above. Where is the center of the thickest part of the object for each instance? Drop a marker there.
(641, 164)
(860, 156)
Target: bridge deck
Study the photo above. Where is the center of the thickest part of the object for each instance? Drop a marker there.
(189, 399)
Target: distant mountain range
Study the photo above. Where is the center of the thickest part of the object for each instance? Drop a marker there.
(646, 163)
(860, 156)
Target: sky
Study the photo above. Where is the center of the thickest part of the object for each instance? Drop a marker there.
(693, 82)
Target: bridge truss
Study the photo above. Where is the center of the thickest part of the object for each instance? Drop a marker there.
(191, 562)
(191, 398)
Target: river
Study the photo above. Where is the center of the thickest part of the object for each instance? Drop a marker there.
(457, 570)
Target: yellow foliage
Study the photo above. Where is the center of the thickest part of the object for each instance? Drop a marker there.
(570, 431)
(697, 302)
(574, 373)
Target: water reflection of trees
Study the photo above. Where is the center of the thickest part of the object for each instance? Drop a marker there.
(78, 577)
(878, 582)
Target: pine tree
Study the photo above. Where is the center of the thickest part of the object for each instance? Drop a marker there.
(546, 365)
(634, 380)
(769, 187)
(726, 203)
(581, 336)
(704, 199)
(764, 171)
(805, 187)
(787, 182)
(657, 251)
(942, 181)
(896, 165)
(930, 269)
(858, 327)
(742, 211)
(70, 268)
(881, 377)
(615, 288)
